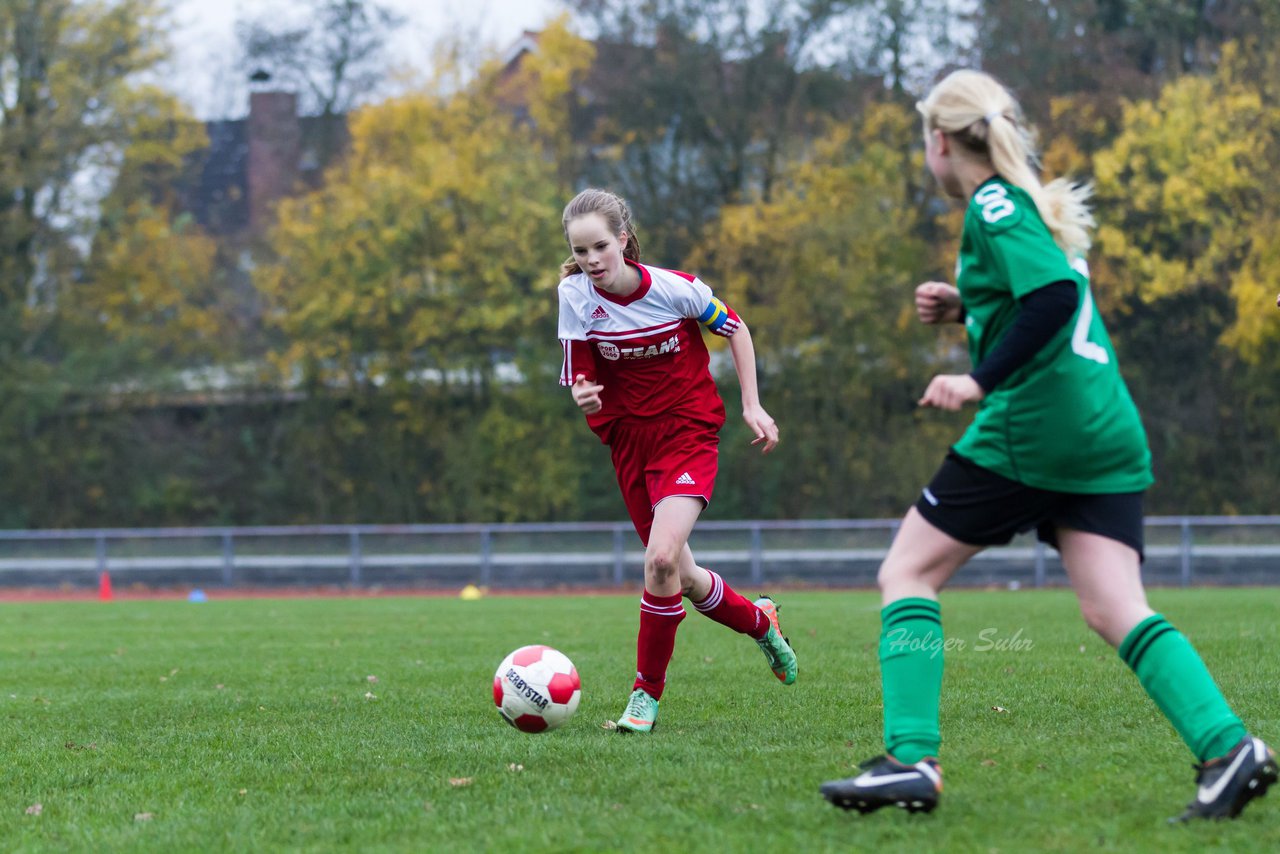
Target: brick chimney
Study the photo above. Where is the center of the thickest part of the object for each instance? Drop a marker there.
(274, 147)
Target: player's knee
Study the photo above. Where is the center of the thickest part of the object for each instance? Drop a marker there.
(687, 585)
(1110, 620)
(661, 562)
(908, 577)
(1095, 615)
(893, 573)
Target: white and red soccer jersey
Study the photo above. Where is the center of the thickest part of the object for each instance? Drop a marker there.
(646, 348)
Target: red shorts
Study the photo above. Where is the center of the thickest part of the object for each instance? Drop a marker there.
(661, 459)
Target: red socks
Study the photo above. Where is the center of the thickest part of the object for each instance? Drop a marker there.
(728, 607)
(660, 616)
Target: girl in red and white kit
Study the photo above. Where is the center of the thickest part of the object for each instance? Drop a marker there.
(637, 367)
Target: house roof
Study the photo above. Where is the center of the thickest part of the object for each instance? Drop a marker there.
(219, 194)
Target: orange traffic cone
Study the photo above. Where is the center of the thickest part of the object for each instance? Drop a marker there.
(104, 586)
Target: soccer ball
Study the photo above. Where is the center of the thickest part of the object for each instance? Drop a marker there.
(536, 688)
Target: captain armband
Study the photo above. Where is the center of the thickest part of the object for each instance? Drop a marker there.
(719, 318)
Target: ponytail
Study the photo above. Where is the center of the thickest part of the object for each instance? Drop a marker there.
(983, 117)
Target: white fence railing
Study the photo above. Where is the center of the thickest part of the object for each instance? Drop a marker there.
(1180, 550)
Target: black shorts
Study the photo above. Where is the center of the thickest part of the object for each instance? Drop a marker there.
(977, 506)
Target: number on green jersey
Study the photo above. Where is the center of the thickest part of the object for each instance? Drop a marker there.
(1080, 343)
(995, 202)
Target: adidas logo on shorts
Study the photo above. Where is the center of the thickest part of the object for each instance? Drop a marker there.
(685, 480)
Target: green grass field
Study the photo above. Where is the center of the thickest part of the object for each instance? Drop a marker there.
(256, 725)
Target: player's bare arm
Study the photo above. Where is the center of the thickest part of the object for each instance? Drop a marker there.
(744, 361)
(586, 394)
(937, 302)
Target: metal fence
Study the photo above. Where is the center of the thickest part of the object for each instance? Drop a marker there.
(1182, 551)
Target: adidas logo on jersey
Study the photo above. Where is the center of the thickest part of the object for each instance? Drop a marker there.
(599, 313)
(685, 480)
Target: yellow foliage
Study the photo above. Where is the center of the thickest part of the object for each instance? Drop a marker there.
(162, 136)
(1186, 197)
(817, 265)
(1254, 290)
(153, 285)
(436, 243)
(548, 80)
(151, 282)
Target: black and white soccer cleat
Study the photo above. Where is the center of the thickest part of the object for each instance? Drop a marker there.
(885, 782)
(1229, 782)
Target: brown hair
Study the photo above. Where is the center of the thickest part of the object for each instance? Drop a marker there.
(982, 117)
(617, 215)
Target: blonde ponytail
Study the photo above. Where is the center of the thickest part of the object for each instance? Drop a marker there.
(983, 117)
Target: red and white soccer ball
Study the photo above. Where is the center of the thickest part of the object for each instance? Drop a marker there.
(536, 688)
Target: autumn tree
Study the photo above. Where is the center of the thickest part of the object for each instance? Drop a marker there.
(68, 70)
(1187, 258)
(699, 103)
(1185, 192)
(423, 273)
(431, 246)
(824, 273)
(151, 288)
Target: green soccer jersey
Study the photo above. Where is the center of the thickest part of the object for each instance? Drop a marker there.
(1064, 421)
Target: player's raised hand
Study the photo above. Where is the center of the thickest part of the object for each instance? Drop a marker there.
(952, 391)
(763, 425)
(937, 302)
(586, 394)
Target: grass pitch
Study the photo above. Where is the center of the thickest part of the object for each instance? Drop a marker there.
(368, 724)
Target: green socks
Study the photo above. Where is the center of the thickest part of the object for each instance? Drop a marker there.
(1179, 683)
(911, 644)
